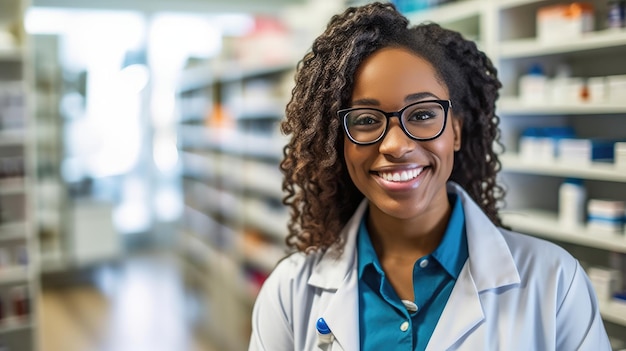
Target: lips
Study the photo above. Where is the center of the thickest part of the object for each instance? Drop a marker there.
(399, 176)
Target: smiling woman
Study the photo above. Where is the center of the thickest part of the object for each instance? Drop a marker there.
(390, 174)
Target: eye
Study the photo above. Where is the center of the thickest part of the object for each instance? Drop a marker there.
(421, 115)
(365, 118)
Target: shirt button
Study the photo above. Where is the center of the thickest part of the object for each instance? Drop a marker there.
(424, 263)
(404, 326)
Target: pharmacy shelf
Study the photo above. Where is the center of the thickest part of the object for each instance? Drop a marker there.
(511, 106)
(614, 312)
(232, 142)
(12, 275)
(594, 41)
(10, 326)
(12, 231)
(12, 186)
(10, 55)
(12, 137)
(505, 4)
(451, 12)
(546, 225)
(593, 170)
(204, 75)
(262, 255)
(256, 214)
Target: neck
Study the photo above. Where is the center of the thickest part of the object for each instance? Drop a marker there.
(407, 239)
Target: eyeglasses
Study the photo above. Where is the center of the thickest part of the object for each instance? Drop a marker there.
(422, 121)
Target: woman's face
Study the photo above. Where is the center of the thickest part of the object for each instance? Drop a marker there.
(388, 80)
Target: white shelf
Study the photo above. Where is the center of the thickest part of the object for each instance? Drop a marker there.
(14, 324)
(11, 54)
(12, 231)
(452, 12)
(514, 106)
(546, 225)
(11, 275)
(263, 255)
(272, 222)
(600, 40)
(234, 142)
(12, 137)
(505, 4)
(593, 170)
(207, 74)
(12, 186)
(614, 312)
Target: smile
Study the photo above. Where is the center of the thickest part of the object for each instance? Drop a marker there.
(403, 176)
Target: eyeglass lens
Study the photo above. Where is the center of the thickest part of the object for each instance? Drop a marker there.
(420, 121)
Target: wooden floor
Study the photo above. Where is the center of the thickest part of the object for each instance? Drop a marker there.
(137, 305)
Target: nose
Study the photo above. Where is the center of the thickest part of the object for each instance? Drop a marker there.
(396, 143)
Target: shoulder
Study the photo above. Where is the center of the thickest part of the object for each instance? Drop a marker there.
(290, 273)
(540, 260)
(526, 247)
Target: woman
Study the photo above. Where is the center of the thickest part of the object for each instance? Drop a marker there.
(391, 179)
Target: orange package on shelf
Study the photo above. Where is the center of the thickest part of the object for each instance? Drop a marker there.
(556, 23)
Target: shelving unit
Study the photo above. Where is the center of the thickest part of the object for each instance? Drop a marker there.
(506, 31)
(234, 223)
(18, 244)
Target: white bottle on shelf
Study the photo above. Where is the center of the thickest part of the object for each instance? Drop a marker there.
(572, 198)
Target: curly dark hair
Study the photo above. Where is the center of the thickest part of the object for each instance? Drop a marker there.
(318, 188)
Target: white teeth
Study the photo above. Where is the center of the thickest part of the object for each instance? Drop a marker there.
(401, 176)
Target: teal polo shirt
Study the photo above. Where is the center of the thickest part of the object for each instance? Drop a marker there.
(384, 320)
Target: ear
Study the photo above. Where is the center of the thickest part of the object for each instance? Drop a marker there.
(457, 126)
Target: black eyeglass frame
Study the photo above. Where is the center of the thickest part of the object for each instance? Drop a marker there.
(445, 104)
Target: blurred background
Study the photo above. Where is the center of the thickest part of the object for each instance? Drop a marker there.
(140, 196)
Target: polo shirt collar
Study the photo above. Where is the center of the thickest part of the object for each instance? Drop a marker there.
(451, 253)
(452, 250)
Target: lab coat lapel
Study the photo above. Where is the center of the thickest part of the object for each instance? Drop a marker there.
(336, 275)
(461, 314)
(464, 310)
(342, 314)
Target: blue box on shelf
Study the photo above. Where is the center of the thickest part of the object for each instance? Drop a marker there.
(540, 143)
(579, 150)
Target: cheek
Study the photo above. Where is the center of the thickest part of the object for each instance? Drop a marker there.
(352, 156)
(356, 159)
(445, 148)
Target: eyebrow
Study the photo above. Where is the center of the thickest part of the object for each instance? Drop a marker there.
(407, 99)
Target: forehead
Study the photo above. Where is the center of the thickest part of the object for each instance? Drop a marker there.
(391, 74)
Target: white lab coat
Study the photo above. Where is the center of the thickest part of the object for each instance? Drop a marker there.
(515, 292)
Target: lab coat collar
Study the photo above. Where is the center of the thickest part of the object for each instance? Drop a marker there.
(488, 271)
(332, 268)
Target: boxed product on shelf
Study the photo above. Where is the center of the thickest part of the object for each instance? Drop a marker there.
(616, 88)
(584, 151)
(616, 16)
(597, 90)
(11, 105)
(620, 155)
(564, 21)
(539, 144)
(605, 282)
(533, 86)
(606, 215)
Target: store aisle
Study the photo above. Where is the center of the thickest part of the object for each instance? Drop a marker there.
(138, 305)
